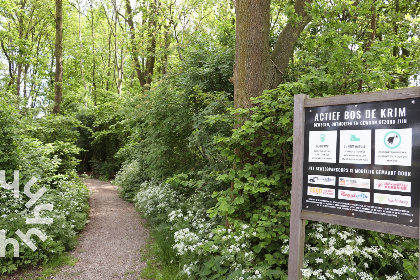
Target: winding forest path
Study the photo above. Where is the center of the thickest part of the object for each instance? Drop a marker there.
(109, 247)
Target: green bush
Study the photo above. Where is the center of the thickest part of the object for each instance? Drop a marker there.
(69, 214)
(129, 179)
(9, 125)
(231, 221)
(43, 148)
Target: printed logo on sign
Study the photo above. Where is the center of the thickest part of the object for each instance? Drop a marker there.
(354, 182)
(354, 195)
(26, 238)
(389, 199)
(398, 186)
(322, 146)
(323, 192)
(354, 138)
(392, 139)
(394, 147)
(321, 180)
(355, 146)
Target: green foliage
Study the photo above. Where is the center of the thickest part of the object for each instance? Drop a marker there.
(43, 148)
(167, 135)
(53, 128)
(129, 178)
(56, 138)
(208, 67)
(219, 195)
(256, 205)
(167, 125)
(69, 215)
(261, 152)
(9, 123)
(336, 53)
(102, 131)
(160, 257)
(232, 220)
(174, 138)
(155, 201)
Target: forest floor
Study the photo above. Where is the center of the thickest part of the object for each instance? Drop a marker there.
(110, 246)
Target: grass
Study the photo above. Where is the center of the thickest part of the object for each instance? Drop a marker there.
(45, 271)
(161, 259)
(53, 267)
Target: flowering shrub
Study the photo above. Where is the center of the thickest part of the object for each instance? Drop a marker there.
(335, 252)
(44, 149)
(228, 216)
(70, 201)
(129, 180)
(155, 200)
(216, 253)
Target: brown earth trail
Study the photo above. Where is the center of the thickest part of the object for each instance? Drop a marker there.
(109, 247)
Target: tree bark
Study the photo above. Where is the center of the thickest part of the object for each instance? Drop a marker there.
(134, 50)
(285, 44)
(93, 56)
(58, 56)
(144, 70)
(151, 50)
(252, 50)
(255, 68)
(81, 46)
(20, 50)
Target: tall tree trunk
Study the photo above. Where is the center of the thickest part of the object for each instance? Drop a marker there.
(58, 88)
(20, 51)
(108, 70)
(371, 39)
(11, 66)
(81, 46)
(119, 68)
(255, 68)
(285, 44)
(167, 41)
(252, 50)
(120, 72)
(134, 50)
(144, 70)
(151, 50)
(93, 56)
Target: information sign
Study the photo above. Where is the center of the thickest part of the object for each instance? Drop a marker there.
(356, 162)
(366, 154)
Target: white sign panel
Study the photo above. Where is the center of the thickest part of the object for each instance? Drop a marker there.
(354, 195)
(389, 199)
(322, 192)
(355, 146)
(321, 180)
(322, 146)
(397, 186)
(354, 182)
(393, 146)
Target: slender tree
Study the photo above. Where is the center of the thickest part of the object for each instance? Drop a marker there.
(144, 69)
(58, 88)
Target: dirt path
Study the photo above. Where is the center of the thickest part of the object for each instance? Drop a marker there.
(109, 247)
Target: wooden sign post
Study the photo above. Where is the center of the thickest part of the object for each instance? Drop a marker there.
(355, 163)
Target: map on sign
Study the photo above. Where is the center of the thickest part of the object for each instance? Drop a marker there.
(359, 160)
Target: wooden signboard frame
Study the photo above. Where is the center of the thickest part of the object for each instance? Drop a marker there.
(298, 215)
